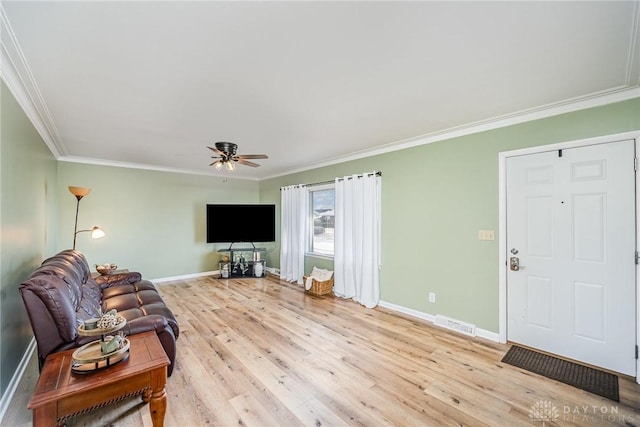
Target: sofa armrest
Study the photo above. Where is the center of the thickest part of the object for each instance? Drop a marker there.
(151, 322)
(118, 279)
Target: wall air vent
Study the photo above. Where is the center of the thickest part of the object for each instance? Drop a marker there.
(455, 325)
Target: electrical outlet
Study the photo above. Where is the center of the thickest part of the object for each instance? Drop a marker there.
(432, 297)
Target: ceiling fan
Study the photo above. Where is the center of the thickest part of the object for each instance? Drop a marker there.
(226, 156)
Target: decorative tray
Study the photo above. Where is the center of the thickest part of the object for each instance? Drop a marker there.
(89, 357)
(101, 331)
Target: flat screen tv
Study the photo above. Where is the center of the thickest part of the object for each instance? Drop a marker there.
(241, 223)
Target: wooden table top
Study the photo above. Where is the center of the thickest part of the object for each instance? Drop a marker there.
(57, 380)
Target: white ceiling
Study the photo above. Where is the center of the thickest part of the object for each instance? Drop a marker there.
(150, 84)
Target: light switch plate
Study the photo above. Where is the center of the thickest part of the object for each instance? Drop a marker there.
(486, 235)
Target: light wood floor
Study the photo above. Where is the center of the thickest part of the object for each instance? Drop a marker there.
(259, 352)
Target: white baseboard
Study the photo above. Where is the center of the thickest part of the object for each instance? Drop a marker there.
(203, 274)
(15, 379)
(482, 333)
(411, 312)
(487, 335)
(186, 276)
(273, 270)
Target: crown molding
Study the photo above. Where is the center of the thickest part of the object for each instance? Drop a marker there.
(16, 74)
(598, 99)
(633, 59)
(118, 164)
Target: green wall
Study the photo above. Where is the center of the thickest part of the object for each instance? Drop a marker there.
(28, 220)
(155, 221)
(320, 262)
(436, 197)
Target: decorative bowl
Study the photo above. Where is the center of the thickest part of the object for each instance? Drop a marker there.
(90, 324)
(106, 269)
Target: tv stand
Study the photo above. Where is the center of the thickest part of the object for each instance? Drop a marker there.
(231, 245)
(243, 262)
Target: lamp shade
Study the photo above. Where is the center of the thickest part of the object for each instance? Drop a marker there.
(79, 191)
(97, 233)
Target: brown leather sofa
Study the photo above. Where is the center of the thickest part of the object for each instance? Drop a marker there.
(61, 294)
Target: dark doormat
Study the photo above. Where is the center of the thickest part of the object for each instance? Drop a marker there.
(583, 377)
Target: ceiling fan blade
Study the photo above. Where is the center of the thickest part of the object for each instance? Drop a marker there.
(245, 162)
(215, 150)
(252, 156)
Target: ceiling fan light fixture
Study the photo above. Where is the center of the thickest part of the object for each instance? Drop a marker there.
(226, 155)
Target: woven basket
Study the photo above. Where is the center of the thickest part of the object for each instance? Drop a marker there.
(320, 288)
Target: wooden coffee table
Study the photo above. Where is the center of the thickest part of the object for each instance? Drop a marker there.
(61, 393)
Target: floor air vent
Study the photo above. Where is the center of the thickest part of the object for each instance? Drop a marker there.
(456, 325)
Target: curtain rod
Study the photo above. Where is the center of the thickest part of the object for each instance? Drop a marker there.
(378, 173)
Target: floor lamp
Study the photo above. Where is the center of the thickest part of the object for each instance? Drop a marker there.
(96, 232)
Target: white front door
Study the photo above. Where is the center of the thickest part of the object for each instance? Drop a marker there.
(571, 232)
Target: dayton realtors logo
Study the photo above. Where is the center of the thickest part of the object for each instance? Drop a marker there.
(544, 411)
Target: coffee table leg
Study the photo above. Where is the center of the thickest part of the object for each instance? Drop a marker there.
(158, 400)
(45, 415)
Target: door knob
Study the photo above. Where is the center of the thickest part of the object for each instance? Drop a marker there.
(514, 264)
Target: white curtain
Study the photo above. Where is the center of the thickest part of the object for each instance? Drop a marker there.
(357, 238)
(293, 217)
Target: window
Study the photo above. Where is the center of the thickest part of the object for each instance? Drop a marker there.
(322, 200)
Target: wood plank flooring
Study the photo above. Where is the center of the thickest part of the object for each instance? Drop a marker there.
(260, 352)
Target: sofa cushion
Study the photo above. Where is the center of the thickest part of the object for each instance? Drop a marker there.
(91, 302)
(52, 291)
(114, 291)
(73, 262)
(137, 300)
(149, 297)
(131, 313)
(120, 302)
(79, 261)
(70, 276)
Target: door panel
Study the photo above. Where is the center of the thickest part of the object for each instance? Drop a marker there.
(540, 301)
(589, 220)
(590, 312)
(571, 224)
(540, 218)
